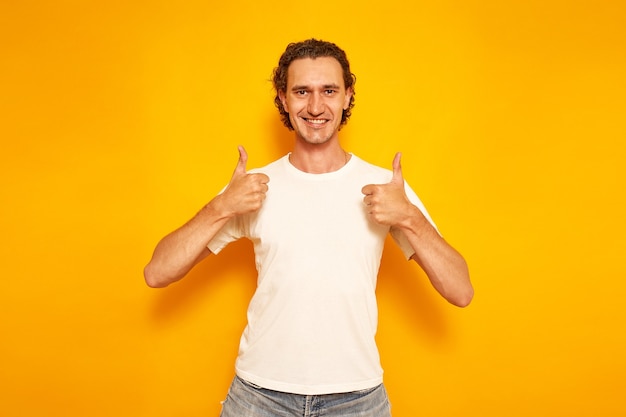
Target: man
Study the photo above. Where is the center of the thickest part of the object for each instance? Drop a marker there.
(318, 218)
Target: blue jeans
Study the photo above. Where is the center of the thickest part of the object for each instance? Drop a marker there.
(248, 400)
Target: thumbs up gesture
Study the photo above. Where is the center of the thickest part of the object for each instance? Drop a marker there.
(245, 192)
(388, 204)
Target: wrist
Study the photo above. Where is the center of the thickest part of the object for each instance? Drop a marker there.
(216, 209)
(414, 222)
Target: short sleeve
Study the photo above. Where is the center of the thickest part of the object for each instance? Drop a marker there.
(227, 234)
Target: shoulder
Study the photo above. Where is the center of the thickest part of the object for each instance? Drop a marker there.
(371, 171)
(271, 168)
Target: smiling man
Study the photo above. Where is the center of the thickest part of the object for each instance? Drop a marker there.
(318, 218)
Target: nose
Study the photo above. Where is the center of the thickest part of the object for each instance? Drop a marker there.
(315, 106)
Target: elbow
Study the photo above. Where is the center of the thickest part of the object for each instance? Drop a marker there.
(463, 298)
(152, 278)
(463, 293)
(460, 295)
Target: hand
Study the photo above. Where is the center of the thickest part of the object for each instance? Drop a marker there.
(388, 204)
(245, 192)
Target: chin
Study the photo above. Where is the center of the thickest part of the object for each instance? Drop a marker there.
(316, 141)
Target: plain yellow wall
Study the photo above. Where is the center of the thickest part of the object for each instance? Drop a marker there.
(119, 120)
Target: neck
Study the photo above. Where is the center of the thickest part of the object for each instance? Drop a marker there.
(318, 158)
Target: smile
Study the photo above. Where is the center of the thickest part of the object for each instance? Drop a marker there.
(316, 121)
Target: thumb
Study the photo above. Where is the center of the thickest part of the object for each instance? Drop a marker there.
(240, 169)
(397, 170)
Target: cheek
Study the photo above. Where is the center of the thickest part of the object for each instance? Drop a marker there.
(291, 106)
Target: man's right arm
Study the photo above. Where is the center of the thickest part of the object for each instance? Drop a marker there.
(178, 252)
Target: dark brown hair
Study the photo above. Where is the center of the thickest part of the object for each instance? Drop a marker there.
(311, 48)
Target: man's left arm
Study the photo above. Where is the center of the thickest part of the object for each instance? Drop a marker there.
(445, 267)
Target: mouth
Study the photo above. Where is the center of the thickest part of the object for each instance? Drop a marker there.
(316, 122)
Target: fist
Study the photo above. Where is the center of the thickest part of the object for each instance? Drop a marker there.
(387, 204)
(245, 192)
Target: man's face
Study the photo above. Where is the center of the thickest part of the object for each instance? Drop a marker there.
(315, 98)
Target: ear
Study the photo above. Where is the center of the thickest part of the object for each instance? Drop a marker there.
(283, 100)
(346, 102)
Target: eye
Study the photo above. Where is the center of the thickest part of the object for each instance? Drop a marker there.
(330, 92)
(300, 92)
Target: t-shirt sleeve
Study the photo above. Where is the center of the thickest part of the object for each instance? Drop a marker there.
(398, 236)
(227, 234)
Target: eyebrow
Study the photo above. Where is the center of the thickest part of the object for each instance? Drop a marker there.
(306, 87)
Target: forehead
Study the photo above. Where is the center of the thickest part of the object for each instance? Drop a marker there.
(315, 71)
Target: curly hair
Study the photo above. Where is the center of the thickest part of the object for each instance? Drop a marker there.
(311, 48)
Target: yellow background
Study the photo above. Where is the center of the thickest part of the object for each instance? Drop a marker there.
(119, 120)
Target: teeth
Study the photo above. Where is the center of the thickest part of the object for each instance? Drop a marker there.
(316, 121)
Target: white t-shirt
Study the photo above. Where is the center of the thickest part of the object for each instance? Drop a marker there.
(313, 317)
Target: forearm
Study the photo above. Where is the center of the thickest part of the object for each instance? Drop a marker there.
(445, 267)
(178, 252)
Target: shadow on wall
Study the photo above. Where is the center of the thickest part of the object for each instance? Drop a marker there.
(234, 265)
(404, 288)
